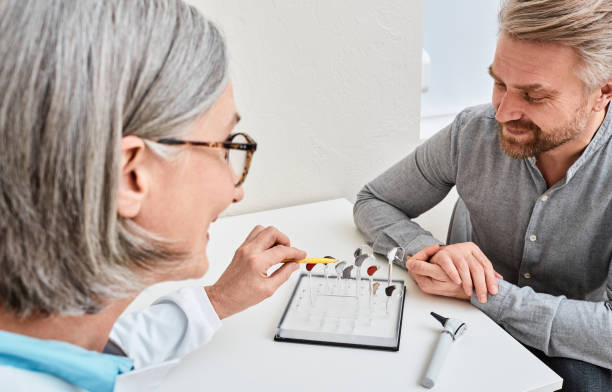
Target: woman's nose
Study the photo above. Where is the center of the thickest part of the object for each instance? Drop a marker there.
(238, 194)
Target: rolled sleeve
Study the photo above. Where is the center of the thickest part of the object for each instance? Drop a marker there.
(172, 327)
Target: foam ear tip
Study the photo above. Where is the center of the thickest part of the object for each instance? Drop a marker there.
(347, 272)
(340, 267)
(375, 287)
(360, 259)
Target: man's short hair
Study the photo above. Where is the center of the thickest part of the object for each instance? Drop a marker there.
(584, 25)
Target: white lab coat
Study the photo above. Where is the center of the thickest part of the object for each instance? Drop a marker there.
(155, 338)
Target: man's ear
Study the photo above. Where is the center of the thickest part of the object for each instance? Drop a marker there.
(134, 180)
(605, 97)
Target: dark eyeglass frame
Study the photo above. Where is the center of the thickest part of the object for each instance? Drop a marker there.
(250, 147)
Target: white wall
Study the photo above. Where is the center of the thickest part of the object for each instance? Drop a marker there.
(329, 89)
(460, 38)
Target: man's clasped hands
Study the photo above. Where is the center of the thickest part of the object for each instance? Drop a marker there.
(455, 270)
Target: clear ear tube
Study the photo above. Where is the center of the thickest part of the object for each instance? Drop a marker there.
(390, 258)
(395, 254)
(339, 269)
(375, 288)
(309, 268)
(346, 274)
(358, 263)
(326, 273)
(370, 271)
(389, 293)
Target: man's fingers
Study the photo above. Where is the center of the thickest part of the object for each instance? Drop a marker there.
(279, 253)
(466, 279)
(423, 268)
(478, 277)
(498, 275)
(426, 252)
(491, 280)
(490, 274)
(447, 265)
(424, 283)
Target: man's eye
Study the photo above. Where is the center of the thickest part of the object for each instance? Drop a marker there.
(531, 99)
(500, 85)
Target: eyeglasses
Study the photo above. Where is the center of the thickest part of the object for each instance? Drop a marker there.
(239, 148)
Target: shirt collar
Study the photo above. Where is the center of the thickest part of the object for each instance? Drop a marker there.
(601, 138)
(89, 370)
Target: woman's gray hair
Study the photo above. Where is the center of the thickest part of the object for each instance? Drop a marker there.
(75, 77)
(585, 25)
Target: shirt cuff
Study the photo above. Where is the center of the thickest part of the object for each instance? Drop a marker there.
(386, 241)
(419, 243)
(495, 302)
(208, 311)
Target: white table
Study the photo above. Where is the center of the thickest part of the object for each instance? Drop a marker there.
(243, 355)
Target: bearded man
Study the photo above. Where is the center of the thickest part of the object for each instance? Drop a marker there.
(534, 174)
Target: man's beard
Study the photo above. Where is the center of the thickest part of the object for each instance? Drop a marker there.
(540, 141)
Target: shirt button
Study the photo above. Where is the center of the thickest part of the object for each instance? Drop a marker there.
(544, 198)
(527, 275)
(532, 238)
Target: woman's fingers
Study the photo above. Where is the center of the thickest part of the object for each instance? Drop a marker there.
(279, 253)
(256, 230)
(269, 237)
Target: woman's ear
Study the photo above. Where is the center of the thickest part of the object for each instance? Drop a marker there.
(134, 180)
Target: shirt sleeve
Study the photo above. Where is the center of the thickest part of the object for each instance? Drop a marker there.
(170, 328)
(558, 326)
(385, 207)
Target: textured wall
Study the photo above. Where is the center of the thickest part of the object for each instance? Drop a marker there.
(329, 89)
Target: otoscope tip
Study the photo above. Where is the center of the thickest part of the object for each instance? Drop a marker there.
(441, 319)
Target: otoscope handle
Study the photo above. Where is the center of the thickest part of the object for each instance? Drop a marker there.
(437, 360)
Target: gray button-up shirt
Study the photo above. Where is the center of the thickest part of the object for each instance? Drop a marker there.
(552, 245)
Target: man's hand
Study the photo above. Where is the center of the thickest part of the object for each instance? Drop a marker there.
(466, 265)
(430, 278)
(245, 282)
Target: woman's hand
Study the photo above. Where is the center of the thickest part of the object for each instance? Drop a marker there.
(245, 282)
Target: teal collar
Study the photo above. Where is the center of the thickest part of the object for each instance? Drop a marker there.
(89, 370)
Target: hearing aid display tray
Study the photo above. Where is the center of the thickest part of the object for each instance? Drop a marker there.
(339, 314)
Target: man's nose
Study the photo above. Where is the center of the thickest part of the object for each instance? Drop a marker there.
(509, 108)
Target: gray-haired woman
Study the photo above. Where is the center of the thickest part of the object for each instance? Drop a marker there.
(116, 154)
